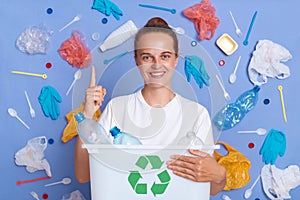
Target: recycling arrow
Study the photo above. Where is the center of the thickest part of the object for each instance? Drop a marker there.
(133, 179)
(154, 160)
(160, 188)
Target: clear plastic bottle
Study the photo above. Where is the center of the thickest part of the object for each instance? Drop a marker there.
(90, 131)
(123, 138)
(118, 36)
(190, 139)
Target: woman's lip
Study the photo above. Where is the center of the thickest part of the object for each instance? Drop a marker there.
(157, 74)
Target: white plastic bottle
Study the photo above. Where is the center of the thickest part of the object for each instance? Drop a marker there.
(118, 36)
(190, 139)
(90, 131)
(123, 138)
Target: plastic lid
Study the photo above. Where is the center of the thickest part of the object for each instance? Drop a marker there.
(79, 117)
(114, 131)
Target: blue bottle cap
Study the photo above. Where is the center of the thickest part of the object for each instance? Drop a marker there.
(79, 117)
(114, 131)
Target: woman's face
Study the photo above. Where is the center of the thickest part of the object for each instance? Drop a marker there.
(156, 59)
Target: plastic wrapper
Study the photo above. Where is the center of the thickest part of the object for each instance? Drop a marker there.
(75, 51)
(34, 40)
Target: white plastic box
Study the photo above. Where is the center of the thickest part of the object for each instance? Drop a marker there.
(139, 172)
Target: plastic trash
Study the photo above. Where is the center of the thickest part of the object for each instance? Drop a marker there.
(118, 36)
(49, 100)
(123, 138)
(233, 113)
(190, 139)
(90, 131)
(75, 195)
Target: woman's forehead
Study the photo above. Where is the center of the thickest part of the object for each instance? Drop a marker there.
(157, 41)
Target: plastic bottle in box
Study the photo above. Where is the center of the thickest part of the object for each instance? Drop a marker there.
(123, 138)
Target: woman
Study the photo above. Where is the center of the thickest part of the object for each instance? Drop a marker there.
(156, 55)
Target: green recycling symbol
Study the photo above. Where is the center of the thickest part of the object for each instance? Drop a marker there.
(135, 176)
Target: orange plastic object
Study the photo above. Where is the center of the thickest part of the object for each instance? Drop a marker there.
(204, 19)
(237, 167)
(75, 52)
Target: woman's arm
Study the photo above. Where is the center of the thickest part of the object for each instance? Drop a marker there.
(202, 168)
(81, 162)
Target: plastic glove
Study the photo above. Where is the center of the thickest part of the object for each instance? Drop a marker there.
(195, 66)
(274, 145)
(49, 99)
(107, 7)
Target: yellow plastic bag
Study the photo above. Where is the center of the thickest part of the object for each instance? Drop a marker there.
(237, 167)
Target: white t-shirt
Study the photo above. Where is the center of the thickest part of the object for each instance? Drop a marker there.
(157, 126)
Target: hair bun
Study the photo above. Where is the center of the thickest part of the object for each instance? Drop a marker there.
(157, 22)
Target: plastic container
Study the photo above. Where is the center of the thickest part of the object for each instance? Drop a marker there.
(118, 36)
(227, 44)
(138, 172)
(90, 131)
(123, 138)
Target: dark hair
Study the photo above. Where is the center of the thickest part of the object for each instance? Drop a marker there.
(158, 25)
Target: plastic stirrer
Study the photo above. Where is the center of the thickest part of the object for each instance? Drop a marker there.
(44, 76)
(31, 110)
(12, 112)
(248, 192)
(237, 29)
(171, 10)
(19, 182)
(75, 19)
(77, 76)
(106, 61)
(282, 102)
(250, 29)
(232, 77)
(259, 131)
(226, 95)
(63, 181)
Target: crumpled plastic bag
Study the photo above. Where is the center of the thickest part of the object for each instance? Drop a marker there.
(75, 51)
(71, 130)
(75, 195)
(34, 40)
(32, 155)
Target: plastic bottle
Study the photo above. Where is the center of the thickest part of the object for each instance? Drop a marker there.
(233, 113)
(123, 138)
(190, 139)
(90, 131)
(119, 36)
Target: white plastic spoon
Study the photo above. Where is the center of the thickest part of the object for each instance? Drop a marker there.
(12, 112)
(34, 195)
(75, 19)
(259, 131)
(64, 181)
(248, 192)
(226, 95)
(232, 76)
(77, 76)
(178, 29)
(31, 110)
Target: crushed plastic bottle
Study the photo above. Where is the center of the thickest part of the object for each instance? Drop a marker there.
(123, 138)
(190, 139)
(90, 131)
(233, 113)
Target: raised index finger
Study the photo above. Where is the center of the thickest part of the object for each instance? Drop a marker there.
(93, 77)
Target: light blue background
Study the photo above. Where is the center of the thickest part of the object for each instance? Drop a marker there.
(276, 20)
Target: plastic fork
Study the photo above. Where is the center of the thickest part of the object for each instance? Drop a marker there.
(237, 29)
(34, 195)
(226, 95)
(31, 110)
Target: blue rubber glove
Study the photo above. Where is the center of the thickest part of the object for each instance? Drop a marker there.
(195, 66)
(107, 7)
(274, 145)
(49, 99)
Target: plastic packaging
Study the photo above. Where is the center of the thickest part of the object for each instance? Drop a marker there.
(90, 131)
(190, 139)
(119, 36)
(34, 40)
(233, 113)
(123, 138)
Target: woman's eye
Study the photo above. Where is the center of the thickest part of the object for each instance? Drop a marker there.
(147, 58)
(165, 57)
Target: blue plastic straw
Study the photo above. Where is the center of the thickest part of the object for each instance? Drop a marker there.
(171, 10)
(250, 28)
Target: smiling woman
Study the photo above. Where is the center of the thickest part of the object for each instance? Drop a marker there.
(156, 55)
